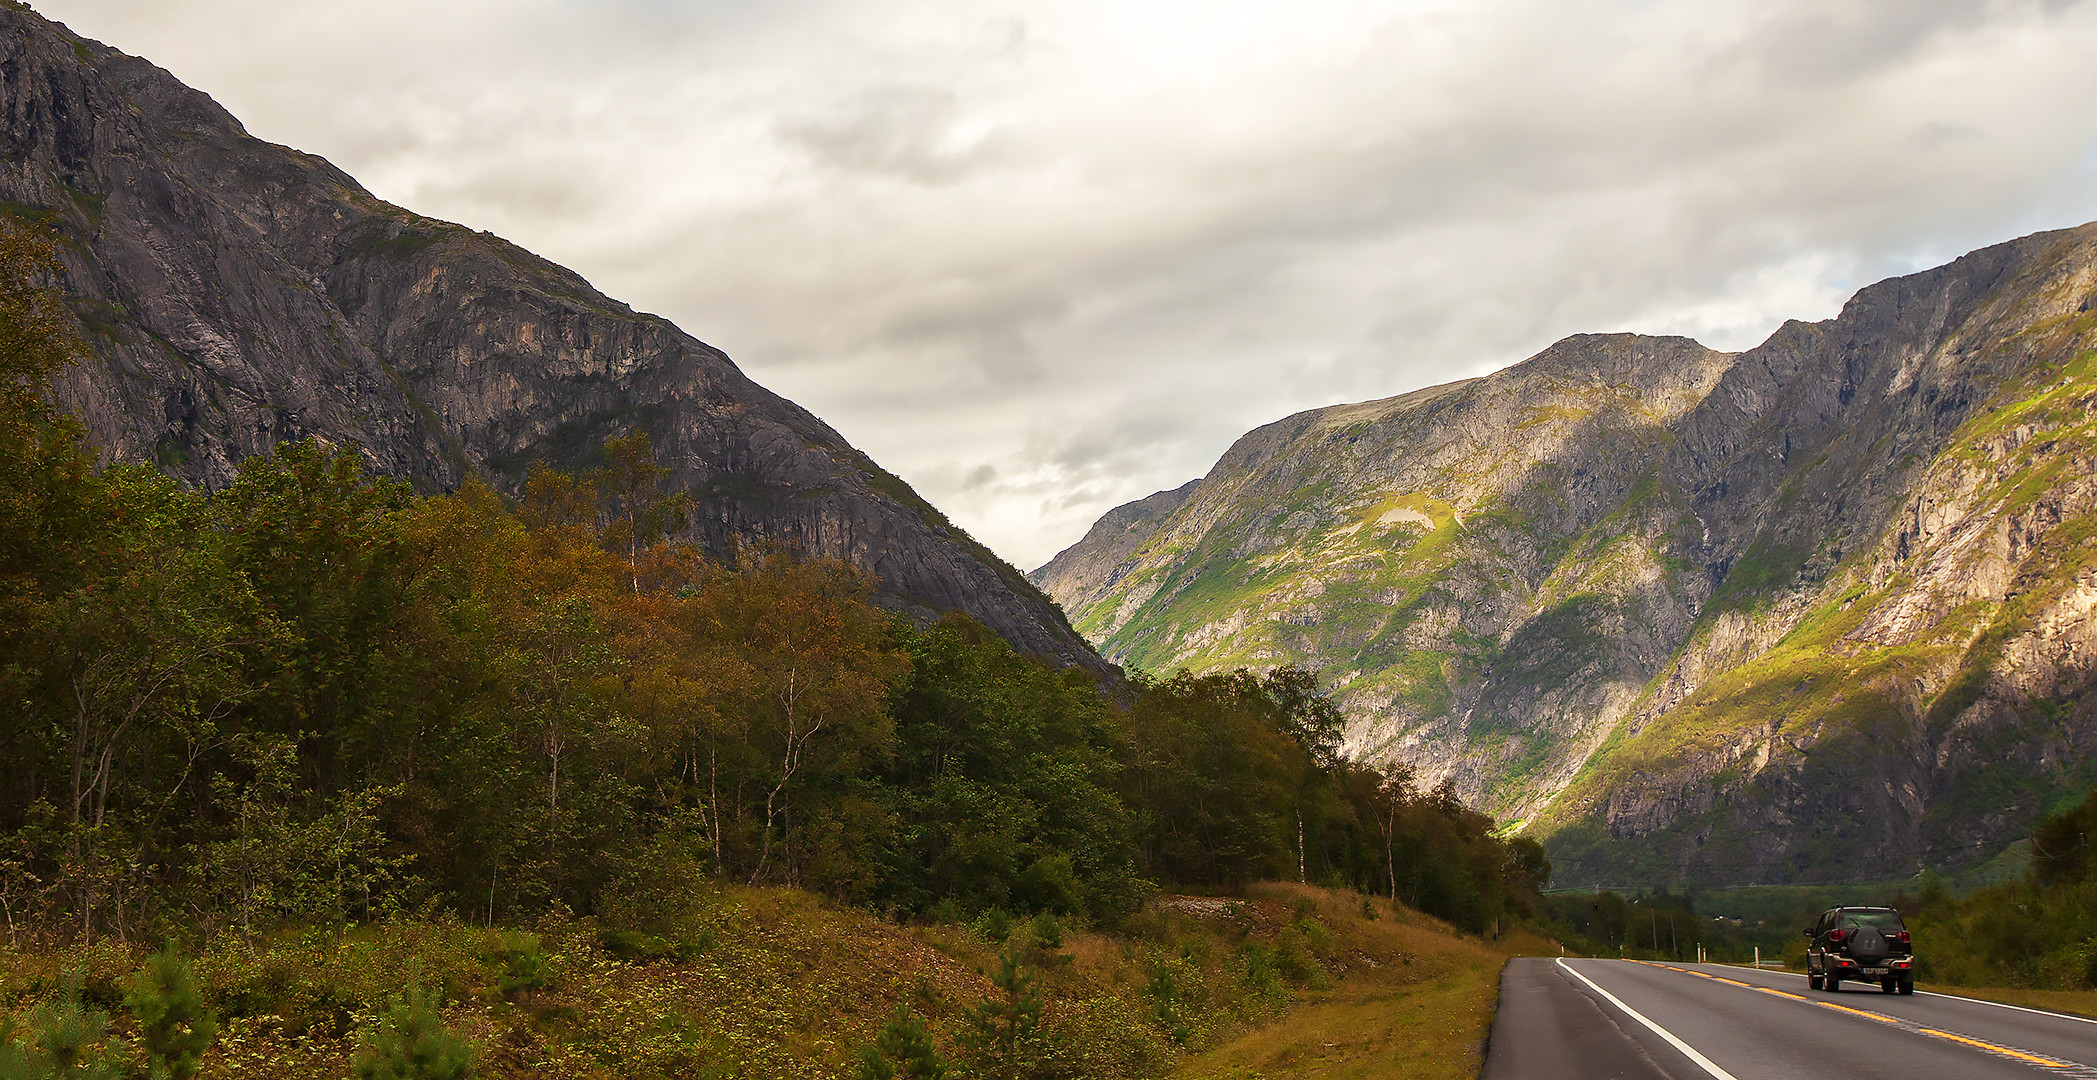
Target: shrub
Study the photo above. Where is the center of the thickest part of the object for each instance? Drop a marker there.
(67, 1041)
(995, 924)
(524, 966)
(412, 1042)
(1003, 1037)
(903, 1051)
(1046, 932)
(174, 1026)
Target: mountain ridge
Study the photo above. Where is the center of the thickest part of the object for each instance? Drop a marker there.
(1517, 580)
(237, 293)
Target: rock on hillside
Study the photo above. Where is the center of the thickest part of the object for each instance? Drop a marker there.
(1816, 610)
(238, 293)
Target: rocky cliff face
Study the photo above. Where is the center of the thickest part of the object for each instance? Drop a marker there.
(1817, 610)
(238, 293)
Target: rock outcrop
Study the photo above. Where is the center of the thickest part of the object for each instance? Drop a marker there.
(1816, 610)
(238, 293)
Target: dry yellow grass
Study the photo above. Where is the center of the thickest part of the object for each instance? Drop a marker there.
(778, 983)
(1416, 1001)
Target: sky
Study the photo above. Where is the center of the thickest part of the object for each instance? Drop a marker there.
(1042, 257)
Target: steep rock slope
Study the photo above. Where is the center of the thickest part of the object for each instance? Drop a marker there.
(238, 293)
(1814, 610)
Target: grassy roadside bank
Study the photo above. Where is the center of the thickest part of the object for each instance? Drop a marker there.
(1426, 1016)
(774, 982)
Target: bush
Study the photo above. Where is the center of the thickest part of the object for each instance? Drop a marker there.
(524, 966)
(903, 1051)
(174, 1026)
(1003, 1038)
(412, 1042)
(995, 925)
(1046, 932)
(67, 1041)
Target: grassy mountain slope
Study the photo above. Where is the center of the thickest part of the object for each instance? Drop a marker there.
(1811, 610)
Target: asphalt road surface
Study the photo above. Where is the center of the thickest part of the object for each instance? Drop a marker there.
(1626, 1020)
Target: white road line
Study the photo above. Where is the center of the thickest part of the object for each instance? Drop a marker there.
(1688, 1051)
(1952, 997)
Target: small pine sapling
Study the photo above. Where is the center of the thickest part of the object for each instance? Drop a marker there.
(903, 1051)
(67, 1041)
(412, 1042)
(1003, 1032)
(174, 1026)
(524, 966)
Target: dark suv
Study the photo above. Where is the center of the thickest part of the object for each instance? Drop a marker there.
(1860, 943)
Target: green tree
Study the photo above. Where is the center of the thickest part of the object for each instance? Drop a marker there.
(174, 1026)
(67, 1041)
(902, 1051)
(1003, 1037)
(630, 484)
(412, 1042)
(2060, 846)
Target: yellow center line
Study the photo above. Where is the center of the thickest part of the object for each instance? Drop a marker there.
(1880, 1017)
(1992, 1048)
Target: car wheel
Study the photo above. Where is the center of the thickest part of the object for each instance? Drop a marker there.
(1887, 986)
(1907, 985)
(1832, 982)
(1813, 980)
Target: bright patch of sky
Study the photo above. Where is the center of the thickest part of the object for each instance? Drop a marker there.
(1041, 258)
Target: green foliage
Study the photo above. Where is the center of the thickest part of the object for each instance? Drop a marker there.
(410, 1041)
(1002, 1039)
(1046, 932)
(2060, 846)
(175, 1027)
(903, 1051)
(524, 965)
(2040, 931)
(67, 1040)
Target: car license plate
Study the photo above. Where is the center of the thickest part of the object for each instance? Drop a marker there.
(1874, 971)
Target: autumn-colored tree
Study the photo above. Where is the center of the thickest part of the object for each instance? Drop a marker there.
(820, 669)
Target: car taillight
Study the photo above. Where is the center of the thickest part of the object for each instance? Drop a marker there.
(1902, 937)
(1836, 936)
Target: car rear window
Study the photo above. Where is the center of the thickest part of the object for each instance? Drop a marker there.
(1883, 918)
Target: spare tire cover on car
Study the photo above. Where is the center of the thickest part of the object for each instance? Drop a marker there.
(1867, 943)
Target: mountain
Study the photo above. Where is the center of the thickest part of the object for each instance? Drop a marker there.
(237, 293)
(1816, 611)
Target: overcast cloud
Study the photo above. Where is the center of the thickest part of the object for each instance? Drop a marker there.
(1041, 258)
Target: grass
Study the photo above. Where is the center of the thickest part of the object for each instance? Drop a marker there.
(1425, 1015)
(2072, 1002)
(776, 982)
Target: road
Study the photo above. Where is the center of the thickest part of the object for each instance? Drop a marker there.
(1557, 1021)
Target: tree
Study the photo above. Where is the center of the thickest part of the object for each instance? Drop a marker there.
(903, 1051)
(2060, 846)
(174, 1026)
(67, 1041)
(412, 1042)
(1003, 1034)
(820, 669)
(638, 510)
(151, 641)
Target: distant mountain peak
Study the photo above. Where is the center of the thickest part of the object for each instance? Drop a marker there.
(1600, 590)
